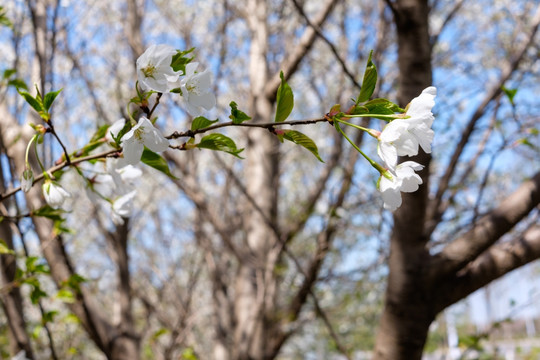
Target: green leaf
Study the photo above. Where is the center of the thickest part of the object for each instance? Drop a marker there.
(71, 319)
(95, 142)
(219, 142)
(127, 127)
(37, 294)
(200, 122)
(33, 102)
(75, 281)
(48, 316)
(156, 161)
(4, 19)
(49, 212)
(8, 72)
(18, 84)
(159, 333)
(510, 93)
(189, 354)
(237, 116)
(36, 331)
(303, 140)
(369, 82)
(180, 60)
(284, 100)
(65, 295)
(4, 249)
(382, 106)
(49, 99)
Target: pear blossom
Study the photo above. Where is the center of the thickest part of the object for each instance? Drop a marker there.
(27, 180)
(154, 69)
(196, 89)
(122, 207)
(403, 179)
(141, 135)
(54, 194)
(402, 137)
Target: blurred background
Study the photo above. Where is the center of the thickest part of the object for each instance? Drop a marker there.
(277, 255)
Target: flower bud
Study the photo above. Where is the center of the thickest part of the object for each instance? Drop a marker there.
(27, 180)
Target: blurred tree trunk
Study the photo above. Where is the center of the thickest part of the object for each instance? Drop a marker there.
(10, 293)
(407, 315)
(255, 284)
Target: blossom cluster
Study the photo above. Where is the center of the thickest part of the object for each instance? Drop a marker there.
(114, 184)
(154, 72)
(403, 137)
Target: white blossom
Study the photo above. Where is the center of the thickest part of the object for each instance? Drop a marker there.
(122, 207)
(154, 69)
(54, 194)
(196, 89)
(141, 135)
(402, 137)
(403, 179)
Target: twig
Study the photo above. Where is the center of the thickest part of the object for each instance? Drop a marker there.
(61, 166)
(269, 126)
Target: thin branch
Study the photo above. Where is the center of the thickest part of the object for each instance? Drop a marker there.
(507, 70)
(319, 33)
(470, 166)
(330, 328)
(291, 63)
(446, 21)
(60, 166)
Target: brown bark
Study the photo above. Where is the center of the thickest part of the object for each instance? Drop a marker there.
(10, 296)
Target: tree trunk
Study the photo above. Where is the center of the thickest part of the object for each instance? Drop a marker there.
(11, 299)
(254, 285)
(408, 310)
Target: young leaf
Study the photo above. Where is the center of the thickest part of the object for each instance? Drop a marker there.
(510, 93)
(49, 212)
(219, 142)
(49, 98)
(4, 19)
(4, 249)
(200, 122)
(95, 142)
(180, 60)
(156, 161)
(370, 79)
(65, 295)
(8, 72)
(37, 294)
(48, 316)
(75, 280)
(284, 100)
(237, 116)
(303, 140)
(33, 102)
(18, 84)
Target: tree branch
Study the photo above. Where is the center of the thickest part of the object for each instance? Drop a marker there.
(488, 230)
(291, 63)
(492, 264)
(319, 33)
